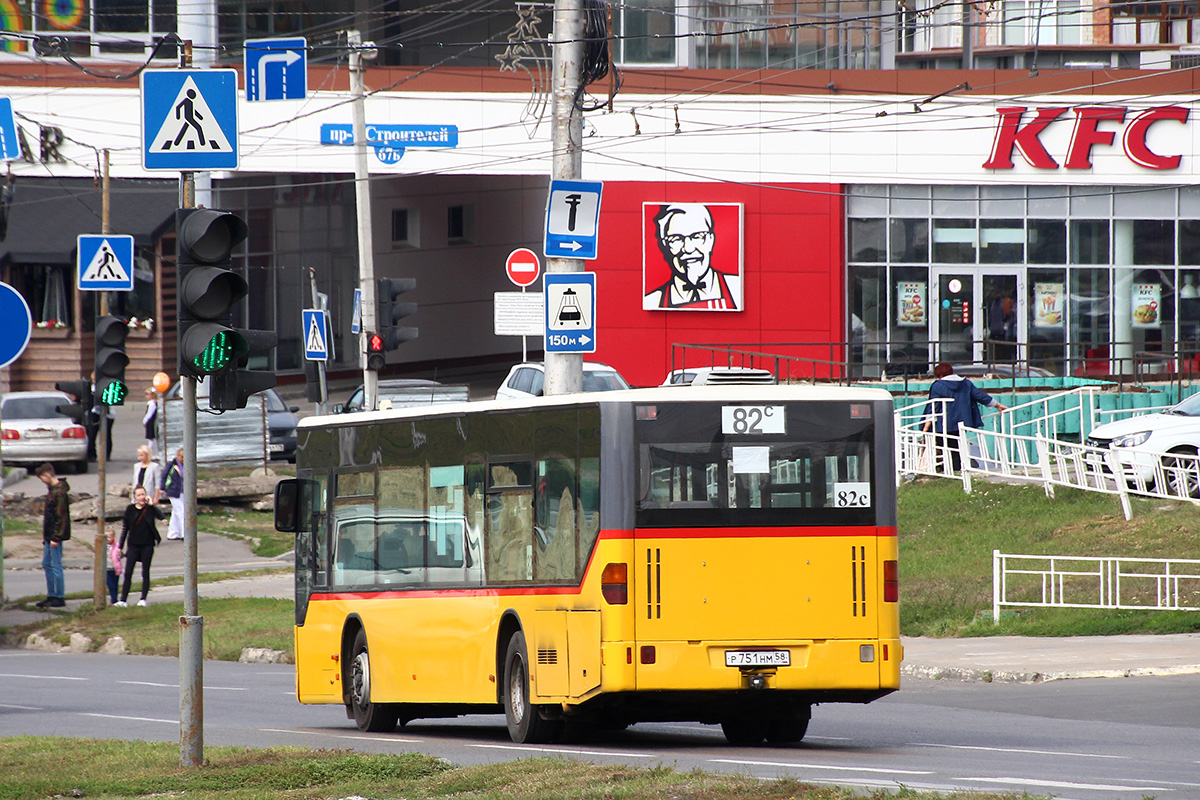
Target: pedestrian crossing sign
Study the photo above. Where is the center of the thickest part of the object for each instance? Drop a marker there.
(315, 346)
(189, 119)
(105, 263)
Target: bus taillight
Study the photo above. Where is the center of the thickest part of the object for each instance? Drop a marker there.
(614, 584)
(891, 582)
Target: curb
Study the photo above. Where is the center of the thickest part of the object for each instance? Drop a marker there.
(1002, 676)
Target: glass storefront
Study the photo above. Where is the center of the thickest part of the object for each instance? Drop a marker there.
(1073, 280)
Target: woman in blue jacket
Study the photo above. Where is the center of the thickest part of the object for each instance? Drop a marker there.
(963, 409)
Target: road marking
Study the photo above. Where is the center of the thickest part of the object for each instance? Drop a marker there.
(176, 686)
(1099, 787)
(818, 766)
(565, 750)
(131, 719)
(21, 708)
(343, 736)
(41, 677)
(1017, 750)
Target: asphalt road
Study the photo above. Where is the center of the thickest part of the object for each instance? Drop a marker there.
(1086, 739)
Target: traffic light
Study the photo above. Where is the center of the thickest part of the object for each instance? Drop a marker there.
(391, 312)
(375, 352)
(111, 360)
(81, 390)
(208, 289)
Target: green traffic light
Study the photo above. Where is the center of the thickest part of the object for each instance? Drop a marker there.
(113, 393)
(217, 354)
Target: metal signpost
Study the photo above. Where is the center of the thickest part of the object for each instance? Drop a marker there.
(14, 338)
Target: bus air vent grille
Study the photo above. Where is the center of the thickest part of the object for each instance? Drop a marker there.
(547, 656)
(858, 580)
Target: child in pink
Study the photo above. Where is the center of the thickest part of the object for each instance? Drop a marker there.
(112, 552)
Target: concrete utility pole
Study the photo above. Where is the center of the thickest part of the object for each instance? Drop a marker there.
(99, 589)
(564, 371)
(362, 197)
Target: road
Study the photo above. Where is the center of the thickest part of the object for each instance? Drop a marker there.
(1087, 739)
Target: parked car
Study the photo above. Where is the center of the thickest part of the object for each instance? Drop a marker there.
(281, 419)
(527, 380)
(35, 431)
(1001, 371)
(1149, 438)
(718, 376)
(406, 392)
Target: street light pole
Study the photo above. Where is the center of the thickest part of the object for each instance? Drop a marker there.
(362, 197)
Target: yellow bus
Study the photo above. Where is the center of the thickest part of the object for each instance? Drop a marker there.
(724, 555)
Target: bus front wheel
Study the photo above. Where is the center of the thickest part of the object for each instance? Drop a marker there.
(368, 716)
(525, 724)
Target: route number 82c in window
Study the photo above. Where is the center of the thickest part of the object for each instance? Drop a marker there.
(852, 494)
(753, 420)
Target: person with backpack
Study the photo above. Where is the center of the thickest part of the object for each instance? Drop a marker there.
(139, 536)
(56, 529)
(172, 486)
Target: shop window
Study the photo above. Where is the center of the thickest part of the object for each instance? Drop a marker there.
(1089, 320)
(868, 240)
(909, 241)
(1089, 241)
(1002, 241)
(1189, 241)
(1153, 242)
(46, 290)
(1047, 241)
(954, 241)
(868, 320)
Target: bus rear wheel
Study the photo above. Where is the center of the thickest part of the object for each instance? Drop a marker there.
(525, 724)
(368, 716)
(789, 728)
(744, 730)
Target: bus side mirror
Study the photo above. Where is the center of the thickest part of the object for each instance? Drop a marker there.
(287, 497)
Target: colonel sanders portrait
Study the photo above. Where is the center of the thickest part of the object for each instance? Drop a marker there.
(693, 248)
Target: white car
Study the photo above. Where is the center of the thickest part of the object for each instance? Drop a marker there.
(718, 376)
(526, 380)
(1154, 437)
(35, 431)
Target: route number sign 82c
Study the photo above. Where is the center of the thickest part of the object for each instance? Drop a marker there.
(852, 494)
(753, 420)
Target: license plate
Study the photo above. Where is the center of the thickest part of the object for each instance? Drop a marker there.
(276, 448)
(39, 433)
(758, 658)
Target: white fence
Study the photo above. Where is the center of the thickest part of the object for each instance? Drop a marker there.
(1163, 584)
(1030, 451)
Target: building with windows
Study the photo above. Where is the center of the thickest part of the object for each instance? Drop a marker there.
(824, 181)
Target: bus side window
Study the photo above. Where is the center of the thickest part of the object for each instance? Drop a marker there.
(554, 532)
(400, 555)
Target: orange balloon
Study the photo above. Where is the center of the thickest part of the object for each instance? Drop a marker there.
(162, 381)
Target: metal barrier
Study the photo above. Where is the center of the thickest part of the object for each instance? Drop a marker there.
(231, 438)
(1161, 584)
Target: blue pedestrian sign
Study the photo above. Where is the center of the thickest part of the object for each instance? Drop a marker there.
(105, 263)
(276, 69)
(17, 327)
(573, 219)
(316, 347)
(10, 146)
(189, 119)
(356, 314)
(570, 302)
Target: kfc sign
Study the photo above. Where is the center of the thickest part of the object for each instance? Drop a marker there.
(1095, 126)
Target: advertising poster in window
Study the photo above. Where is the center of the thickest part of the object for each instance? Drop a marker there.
(1048, 301)
(1147, 299)
(692, 257)
(910, 304)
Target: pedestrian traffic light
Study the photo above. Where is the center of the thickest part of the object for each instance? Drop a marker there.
(375, 352)
(111, 360)
(391, 312)
(208, 289)
(78, 410)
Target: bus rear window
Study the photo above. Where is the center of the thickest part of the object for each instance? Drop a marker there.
(704, 465)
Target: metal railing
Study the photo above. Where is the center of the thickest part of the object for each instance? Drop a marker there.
(1161, 584)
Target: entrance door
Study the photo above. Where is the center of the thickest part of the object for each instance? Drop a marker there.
(978, 315)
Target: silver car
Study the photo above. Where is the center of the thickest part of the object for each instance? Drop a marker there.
(34, 431)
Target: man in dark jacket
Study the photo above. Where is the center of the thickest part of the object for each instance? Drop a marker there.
(56, 529)
(962, 409)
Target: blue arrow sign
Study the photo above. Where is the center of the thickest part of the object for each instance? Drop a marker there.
(105, 263)
(276, 69)
(573, 219)
(18, 324)
(316, 347)
(10, 146)
(570, 303)
(189, 119)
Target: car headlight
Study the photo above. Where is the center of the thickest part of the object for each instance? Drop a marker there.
(1131, 439)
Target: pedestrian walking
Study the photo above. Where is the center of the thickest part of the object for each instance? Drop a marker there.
(150, 419)
(56, 529)
(147, 474)
(138, 539)
(112, 558)
(965, 398)
(172, 486)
